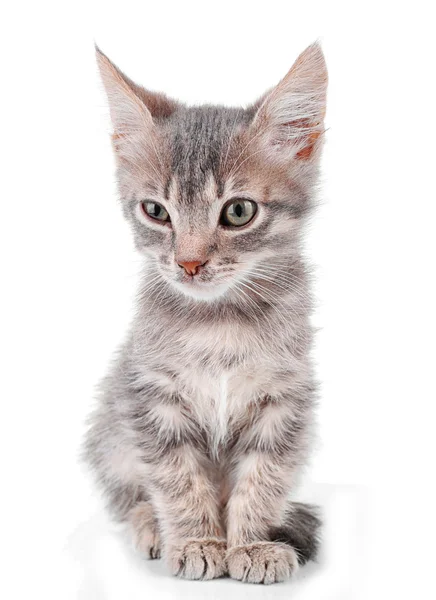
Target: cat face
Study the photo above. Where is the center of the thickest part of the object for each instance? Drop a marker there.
(215, 195)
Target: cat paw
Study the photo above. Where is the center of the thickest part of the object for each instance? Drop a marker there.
(198, 559)
(262, 562)
(148, 544)
(146, 537)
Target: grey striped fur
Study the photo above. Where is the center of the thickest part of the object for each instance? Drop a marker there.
(205, 418)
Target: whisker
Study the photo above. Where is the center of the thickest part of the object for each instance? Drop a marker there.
(277, 281)
(230, 140)
(252, 139)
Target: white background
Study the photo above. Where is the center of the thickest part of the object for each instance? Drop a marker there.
(68, 266)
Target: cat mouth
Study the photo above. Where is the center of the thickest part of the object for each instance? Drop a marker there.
(195, 280)
(196, 284)
(202, 289)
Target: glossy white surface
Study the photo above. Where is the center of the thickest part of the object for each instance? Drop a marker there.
(107, 568)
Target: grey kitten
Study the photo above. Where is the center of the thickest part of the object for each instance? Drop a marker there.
(204, 420)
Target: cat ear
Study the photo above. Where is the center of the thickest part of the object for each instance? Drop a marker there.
(133, 109)
(289, 120)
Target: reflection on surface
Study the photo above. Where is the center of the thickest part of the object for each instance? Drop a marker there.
(106, 567)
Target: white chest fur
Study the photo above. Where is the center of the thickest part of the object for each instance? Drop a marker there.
(218, 372)
(229, 370)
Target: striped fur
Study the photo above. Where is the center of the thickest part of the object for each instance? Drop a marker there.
(205, 418)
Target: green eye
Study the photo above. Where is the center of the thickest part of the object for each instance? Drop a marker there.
(156, 211)
(238, 213)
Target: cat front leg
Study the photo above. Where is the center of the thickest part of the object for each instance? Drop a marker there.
(255, 506)
(186, 503)
(263, 473)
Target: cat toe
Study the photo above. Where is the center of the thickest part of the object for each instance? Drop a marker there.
(262, 562)
(198, 559)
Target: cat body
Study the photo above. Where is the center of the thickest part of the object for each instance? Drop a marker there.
(204, 420)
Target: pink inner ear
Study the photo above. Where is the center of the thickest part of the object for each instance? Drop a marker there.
(306, 152)
(308, 135)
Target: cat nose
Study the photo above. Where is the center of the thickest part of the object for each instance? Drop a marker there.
(191, 267)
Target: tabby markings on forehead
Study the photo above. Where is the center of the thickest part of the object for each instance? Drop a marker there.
(200, 138)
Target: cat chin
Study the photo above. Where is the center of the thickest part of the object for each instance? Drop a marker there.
(202, 293)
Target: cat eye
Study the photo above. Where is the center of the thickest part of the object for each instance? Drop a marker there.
(156, 211)
(237, 213)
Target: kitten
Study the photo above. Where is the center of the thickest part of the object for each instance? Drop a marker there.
(204, 420)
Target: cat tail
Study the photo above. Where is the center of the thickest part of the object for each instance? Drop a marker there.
(301, 530)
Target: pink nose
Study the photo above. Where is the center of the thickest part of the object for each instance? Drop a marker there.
(192, 266)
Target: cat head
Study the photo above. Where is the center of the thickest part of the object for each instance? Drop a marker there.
(215, 195)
